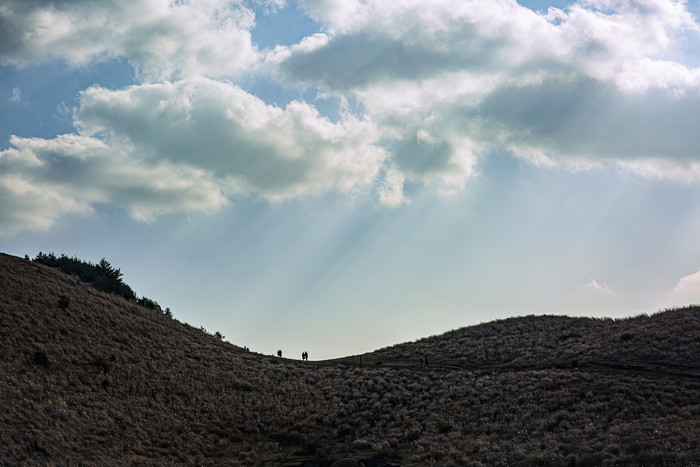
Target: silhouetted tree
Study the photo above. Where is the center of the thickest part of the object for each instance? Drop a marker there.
(102, 276)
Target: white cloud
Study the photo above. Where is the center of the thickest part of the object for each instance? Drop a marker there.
(687, 290)
(338, 14)
(578, 87)
(596, 295)
(189, 146)
(160, 38)
(16, 96)
(589, 119)
(682, 171)
(611, 37)
(271, 6)
(439, 84)
(390, 191)
(597, 287)
(621, 40)
(30, 206)
(218, 127)
(47, 179)
(385, 41)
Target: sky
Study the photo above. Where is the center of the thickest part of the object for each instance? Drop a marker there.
(337, 176)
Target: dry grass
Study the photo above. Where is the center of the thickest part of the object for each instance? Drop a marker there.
(667, 341)
(122, 384)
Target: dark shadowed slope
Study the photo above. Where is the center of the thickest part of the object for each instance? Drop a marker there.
(90, 378)
(102, 379)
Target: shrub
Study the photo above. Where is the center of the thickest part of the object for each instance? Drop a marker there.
(148, 303)
(41, 358)
(63, 302)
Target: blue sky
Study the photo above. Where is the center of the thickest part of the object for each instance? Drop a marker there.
(337, 176)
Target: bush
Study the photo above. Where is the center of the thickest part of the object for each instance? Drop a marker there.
(41, 358)
(148, 303)
(63, 302)
(626, 337)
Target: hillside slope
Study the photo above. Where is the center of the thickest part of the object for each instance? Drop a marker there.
(667, 342)
(121, 382)
(90, 378)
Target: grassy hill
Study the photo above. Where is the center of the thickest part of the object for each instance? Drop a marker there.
(92, 378)
(666, 343)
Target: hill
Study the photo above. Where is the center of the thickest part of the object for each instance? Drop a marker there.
(93, 378)
(665, 343)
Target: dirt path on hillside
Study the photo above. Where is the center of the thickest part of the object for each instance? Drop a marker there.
(630, 368)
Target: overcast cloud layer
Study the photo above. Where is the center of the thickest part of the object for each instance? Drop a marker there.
(439, 85)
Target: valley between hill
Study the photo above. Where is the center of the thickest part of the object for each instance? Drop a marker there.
(92, 378)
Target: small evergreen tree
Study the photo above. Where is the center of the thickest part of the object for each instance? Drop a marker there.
(102, 276)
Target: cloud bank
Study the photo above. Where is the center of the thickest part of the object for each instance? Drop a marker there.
(587, 84)
(186, 146)
(439, 85)
(687, 290)
(160, 38)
